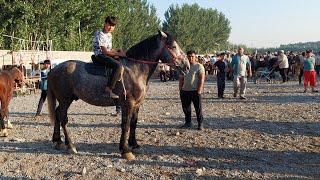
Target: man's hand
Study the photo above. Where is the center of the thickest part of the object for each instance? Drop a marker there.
(121, 53)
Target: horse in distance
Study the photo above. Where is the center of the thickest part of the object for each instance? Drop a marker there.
(8, 79)
(70, 80)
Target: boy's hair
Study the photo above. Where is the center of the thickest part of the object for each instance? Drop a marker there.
(191, 52)
(112, 20)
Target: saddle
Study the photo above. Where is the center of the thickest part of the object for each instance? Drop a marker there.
(97, 69)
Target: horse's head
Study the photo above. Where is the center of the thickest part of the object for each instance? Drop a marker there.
(172, 53)
(17, 75)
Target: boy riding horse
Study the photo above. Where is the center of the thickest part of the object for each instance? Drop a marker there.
(104, 54)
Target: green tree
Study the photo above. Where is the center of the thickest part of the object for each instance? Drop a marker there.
(71, 24)
(203, 30)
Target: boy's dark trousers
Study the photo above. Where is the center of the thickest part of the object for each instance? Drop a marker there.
(110, 63)
(186, 98)
(221, 83)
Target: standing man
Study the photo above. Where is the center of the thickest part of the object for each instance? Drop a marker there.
(318, 63)
(221, 64)
(162, 72)
(302, 57)
(102, 47)
(191, 88)
(43, 85)
(240, 65)
(283, 64)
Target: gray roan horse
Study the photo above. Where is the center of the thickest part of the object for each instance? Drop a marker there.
(70, 81)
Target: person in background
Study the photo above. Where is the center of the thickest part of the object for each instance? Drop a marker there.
(241, 68)
(318, 63)
(162, 72)
(43, 85)
(302, 57)
(191, 87)
(309, 72)
(283, 64)
(221, 65)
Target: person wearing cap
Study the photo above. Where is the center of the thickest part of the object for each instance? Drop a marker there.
(43, 85)
(241, 68)
(104, 54)
(309, 72)
(283, 64)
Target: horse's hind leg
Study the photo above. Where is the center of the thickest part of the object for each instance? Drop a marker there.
(64, 121)
(133, 125)
(56, 138)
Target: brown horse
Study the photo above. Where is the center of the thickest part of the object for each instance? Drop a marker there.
(8, 78)
(71, 81)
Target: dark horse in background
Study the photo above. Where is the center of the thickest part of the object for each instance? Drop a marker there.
(70, 81)
(8, 79)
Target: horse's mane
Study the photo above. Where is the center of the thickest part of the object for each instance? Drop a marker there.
(141, 50)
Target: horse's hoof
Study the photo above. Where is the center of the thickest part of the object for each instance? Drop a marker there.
(128, 156)
(72, 150)
(9, 125)
(60, 146)
(4, 133)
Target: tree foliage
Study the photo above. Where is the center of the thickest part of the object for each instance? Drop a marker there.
(71, 24)
(203, 30)
(296, 47)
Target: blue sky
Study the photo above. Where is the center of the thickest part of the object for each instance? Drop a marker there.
(262, 23)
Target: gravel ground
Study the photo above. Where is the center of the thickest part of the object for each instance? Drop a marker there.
(275, 133)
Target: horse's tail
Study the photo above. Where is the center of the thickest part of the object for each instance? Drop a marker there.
(51, 105)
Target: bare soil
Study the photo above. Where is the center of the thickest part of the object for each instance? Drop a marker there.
(273, 134)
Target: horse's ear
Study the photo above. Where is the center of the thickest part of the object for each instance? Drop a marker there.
(162, 34)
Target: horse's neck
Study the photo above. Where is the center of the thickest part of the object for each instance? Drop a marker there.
(13, 74)
(142, 71)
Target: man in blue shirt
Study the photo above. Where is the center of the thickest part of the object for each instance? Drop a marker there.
(241, 68)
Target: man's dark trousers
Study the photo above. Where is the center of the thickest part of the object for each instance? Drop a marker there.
(186, 98)
(221, 83)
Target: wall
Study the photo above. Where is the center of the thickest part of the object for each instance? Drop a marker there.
(27, 57)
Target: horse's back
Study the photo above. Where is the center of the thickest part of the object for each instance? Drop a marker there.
(71, 79)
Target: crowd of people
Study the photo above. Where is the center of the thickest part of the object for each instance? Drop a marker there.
(300, 65)
(238, 67)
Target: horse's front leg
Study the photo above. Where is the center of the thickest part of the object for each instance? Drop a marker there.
(126, 153)
(3, 113)
(133, 125)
